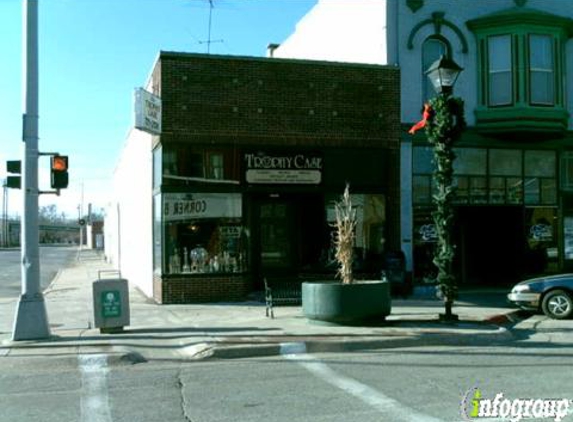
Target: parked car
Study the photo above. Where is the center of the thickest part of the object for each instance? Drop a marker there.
(553, 295)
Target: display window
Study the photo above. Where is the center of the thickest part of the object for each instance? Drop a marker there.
(204, 233)
(541, 226)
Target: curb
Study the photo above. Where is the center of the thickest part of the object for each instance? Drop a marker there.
(253, 350)
(511, 317)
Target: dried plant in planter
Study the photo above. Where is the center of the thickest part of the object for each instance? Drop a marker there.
(345, 226)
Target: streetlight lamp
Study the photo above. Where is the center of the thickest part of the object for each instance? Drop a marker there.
(443, 74)
(444, 123)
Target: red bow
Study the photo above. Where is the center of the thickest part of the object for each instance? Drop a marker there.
(425, 117)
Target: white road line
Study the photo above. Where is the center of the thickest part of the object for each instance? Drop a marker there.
(94, 393)
(392, 409)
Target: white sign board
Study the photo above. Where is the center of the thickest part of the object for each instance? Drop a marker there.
(147, 111)
(200, 206)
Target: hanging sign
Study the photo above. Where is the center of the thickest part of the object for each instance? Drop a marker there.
(288, 168)
(147, 111)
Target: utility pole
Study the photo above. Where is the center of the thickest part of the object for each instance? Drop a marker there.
(31, 320)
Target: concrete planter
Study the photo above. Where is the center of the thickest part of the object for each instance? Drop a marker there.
(349, 304)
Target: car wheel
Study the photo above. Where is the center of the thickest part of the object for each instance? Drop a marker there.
(557, 304)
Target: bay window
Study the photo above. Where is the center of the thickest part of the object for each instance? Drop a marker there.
(521, 55)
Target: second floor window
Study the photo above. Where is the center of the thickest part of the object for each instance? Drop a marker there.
(499, 69)
(541, 69)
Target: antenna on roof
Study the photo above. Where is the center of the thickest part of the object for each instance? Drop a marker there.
(209, 40)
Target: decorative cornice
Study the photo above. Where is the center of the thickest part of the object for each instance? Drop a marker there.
(521, 16)
(438, 20)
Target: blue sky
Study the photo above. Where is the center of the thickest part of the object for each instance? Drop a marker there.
(93, 53)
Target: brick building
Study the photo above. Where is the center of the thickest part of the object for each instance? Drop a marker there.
(241, 180)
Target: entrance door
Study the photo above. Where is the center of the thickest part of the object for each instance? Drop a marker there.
(490, 245)
(276, 231)
(289, 235)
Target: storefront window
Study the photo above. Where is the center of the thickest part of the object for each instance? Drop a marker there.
(505, 162)
(567, 171)
(478, 190)
(548, 191)
(425, 237)
(462, 189)
(421, 193)
(513, 176)
(497, 190)
(157, 241)
(514, 190)
(204, 233)
(532, 190)
(568, 237)
(470, 161)
(157, 167)
(541, 226)
(540, 163)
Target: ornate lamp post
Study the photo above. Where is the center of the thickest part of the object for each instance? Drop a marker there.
(444, 115)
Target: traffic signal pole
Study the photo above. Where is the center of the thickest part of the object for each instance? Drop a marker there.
(31, 319)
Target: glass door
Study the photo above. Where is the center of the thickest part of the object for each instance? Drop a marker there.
(276, 235)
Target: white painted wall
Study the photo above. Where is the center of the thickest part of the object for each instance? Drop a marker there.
(340, 30)
(129, 229)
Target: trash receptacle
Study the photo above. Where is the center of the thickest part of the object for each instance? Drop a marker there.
(111, 304)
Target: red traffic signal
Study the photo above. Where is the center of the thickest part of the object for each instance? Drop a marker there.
(59, 171)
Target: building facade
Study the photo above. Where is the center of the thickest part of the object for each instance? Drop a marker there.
(513, 171)
(240, 183)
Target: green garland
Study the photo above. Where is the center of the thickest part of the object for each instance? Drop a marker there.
(443, 128)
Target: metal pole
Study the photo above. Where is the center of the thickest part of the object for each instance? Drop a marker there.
(5, 210)
(82, 216)
(4, 215)
(31, 320)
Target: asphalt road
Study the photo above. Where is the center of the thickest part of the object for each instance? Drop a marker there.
(410, 384)
(52, 258)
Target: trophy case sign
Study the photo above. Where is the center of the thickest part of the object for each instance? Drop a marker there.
(287, 168)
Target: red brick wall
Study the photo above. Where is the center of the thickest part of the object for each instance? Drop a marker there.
(278, 102)
(201, 289)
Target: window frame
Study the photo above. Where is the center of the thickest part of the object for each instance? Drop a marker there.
(552, 71)
(489, 72)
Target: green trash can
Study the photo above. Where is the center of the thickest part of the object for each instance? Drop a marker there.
(111, 304)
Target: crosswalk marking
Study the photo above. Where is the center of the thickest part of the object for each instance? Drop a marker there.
(94, 392)
(392, 409)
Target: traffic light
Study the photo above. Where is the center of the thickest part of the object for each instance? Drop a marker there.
(14, 167)
(59, 169)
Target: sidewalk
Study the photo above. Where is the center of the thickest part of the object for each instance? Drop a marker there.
(234, 330)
